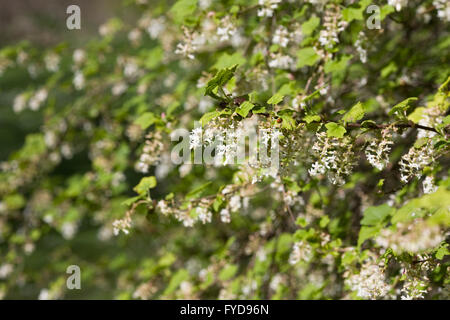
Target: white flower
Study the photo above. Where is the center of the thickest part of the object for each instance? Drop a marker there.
(225, 216)
(281, 61)
(398, 4)
(121, 225)
(156, 27)
(20, 102)
(39, 97)
(204, 215)
(428, 185)
(226, 29)
(79, 55)
(78, 80)
(281, 36)
(443, 9)
(50, 139)
(414, 288)
(119, 88)
(377, 152)
(51, 61)
(195, 138)
(412, 163)
(68, 230)
(44, 294)
(301, 251)
(5, 270)
(235, 203)
(163, 207)
(268, 6)
(316, 169)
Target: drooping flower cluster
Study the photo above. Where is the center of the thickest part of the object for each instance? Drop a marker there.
(151, 152)
(359, 45)
(281, 36)
(301, 251)
(443, 9)
(51, 61)
(412, 163)
(370, 283)
(416, 237)
(191, 42)
(335, 157)
(333, 23)
(377, 152)
(123, 225)
(226, 29)
(415, 276)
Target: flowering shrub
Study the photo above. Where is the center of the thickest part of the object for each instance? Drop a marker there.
(356, 207)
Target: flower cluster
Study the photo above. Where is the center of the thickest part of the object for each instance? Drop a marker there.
(335, 157)
(190, 44)
(151, 152)
(443, 9)
(412, 163)
(333, 23)
(377, 152)
(267, 7)
(301, 251)
(416, 237)
(370, 283)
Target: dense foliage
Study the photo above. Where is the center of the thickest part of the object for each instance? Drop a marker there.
(358, 208)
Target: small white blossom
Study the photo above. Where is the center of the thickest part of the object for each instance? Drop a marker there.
(428, 185)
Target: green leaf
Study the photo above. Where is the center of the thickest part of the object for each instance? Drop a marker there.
(228, 272)
(367, 233)
(355, 113)
(245, 108)
(376, 215)
(226, 60)
(307, 57)
(385, 10)
(275, 99)
(217, 203)
(219, 80)
(417, 114)
(197, 191)
(207, 117)
(182, 9)
(421, 142)
(259, 109)
(349, 14)
(309, 26)
(442, 251)
(288, 121)
(390, 68)
(355, 13)
(145, 120)
(402, 107)
(153, 57)
(130, 201)
(145, 184)
(324, 221)
(335, 130)
(14, 201)
(335, 66)
(311, 118)
(176, 280)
